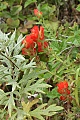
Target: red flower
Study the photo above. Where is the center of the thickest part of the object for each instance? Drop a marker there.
(46, 44)
(63, 89)
(37, 13)
(33, 51)
(41, 33)
(62, 85)
(29, 42)
(35, 33)
(68, 92)
(62, 98)
(24, 51)
(40, 47)
(24, 41)
(33, 43)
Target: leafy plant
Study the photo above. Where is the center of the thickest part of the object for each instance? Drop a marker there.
(18, 80)
(40, 72)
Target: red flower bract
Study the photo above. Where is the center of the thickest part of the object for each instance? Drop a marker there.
(45, 44)
(29, 42)
(35, 33)
(41, 33)
(24, 51)
(63, 89)
(62, 85)
(62, 98)
(34, 42)
(68, 92)
(37, 13)
(40, 46)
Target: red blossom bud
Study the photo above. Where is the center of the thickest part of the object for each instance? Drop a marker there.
(62, 98)
(24, 51)
(37, 13)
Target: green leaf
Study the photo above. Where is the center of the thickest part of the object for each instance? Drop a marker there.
(2, 94)
(32, 64)
(77, 85)
(11, 104)
(38, 86)
(27, 107)
(17, 47)
(31, 75)
(19, 57)
(20, 114)
(54, 108)
(16, 9)
(78, 7)
(77, 76)
(41, 111)
(4, 27)
(53, 94)
(28, 2)
(38, 111)
(13, 35)
(13, 23)
(76, 96)
(4, 36)
(3, 5)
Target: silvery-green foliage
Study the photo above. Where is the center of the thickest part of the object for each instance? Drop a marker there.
(21, 75)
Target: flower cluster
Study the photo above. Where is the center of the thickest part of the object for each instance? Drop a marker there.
(63, 89)
(37, 13)
(34, 42)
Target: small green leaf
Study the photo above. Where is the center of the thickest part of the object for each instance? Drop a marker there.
(27, 107)
(78, 7)
(53, 94)
(16, 9)
(54, 108)
(28, 2)
(38, 111)
(3, 5)
(32, 64)
(41, 111)
(13, 23)
(11, 104)
(76, 96)
(77, 75)
(2, 94)
(31, 75)
(19, 57)
(38, 86)
(77, 84)
(13, 35)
